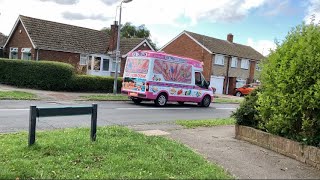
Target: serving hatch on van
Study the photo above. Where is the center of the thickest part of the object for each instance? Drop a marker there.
(163, 77)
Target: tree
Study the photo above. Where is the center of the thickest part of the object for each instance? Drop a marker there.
(130, 31)
(290, 100)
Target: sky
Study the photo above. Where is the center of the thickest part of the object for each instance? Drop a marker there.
(257, 23)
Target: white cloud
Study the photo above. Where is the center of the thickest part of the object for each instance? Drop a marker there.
(64, 2)
(313, 11)
(155, 12)
(262, 46)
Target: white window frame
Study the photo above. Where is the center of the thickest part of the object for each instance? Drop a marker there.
(109, 60)
(24, 54)
(245, 63)
(13, 49)
(84, 58)
(234, 62)
(113, 66)
(257, 66)
(219, 59)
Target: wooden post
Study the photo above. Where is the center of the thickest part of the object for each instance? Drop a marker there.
(93, 133)
(32, 125)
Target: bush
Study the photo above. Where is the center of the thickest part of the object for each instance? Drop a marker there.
(247, 114)
(49, 75)
(290, 102)
(86, 83)
(46, 75)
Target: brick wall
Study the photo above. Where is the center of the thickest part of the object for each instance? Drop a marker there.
(184, 46)
(303, 153)
(66, 57)
(219, 70)
(20, 39)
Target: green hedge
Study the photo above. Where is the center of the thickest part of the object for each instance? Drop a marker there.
(49, 75)
(87, 83)
(46, 75)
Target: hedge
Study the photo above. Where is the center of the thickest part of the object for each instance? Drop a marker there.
(49, 75)
(87, 83)
(46, 75)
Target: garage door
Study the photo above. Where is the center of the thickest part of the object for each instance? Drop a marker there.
(217, 82)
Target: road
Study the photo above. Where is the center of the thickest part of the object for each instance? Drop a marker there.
(14, 115)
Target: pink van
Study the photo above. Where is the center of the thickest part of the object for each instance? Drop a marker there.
(163, 77)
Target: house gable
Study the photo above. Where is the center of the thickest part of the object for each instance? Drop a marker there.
(19, 38)
(185, 46)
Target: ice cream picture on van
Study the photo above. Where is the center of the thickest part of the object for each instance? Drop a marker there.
(163, 77)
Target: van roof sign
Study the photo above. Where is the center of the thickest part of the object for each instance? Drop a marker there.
(168, 57)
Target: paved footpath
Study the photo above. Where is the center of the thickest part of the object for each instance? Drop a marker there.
(240, 158)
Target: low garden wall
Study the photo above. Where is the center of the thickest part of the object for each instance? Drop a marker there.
(307, 154)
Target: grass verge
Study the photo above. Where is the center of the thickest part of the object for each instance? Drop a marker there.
(17, 95)
(227, 100)
(118, 153)
(206, 123)
(105, 97)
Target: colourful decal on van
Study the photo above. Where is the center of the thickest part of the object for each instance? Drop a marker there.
(139, 66)
(173, 72)
(134, 84)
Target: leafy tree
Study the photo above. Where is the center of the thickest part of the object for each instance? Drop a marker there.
(130, 31)
(290, 102)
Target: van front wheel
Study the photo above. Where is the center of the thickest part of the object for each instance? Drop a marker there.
(161, 100)
(206, 101)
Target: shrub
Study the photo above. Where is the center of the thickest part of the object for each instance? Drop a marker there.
(290, 102)
(247, 114)
(46, 75)
(87, 83)
(49, 75)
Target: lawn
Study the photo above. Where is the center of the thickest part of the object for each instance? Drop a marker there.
(227, 100)
(206, 123)
(16, 95)
(105, 97)
(118, 153)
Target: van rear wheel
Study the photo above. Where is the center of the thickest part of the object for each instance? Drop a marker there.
(161, 100)
(136, 100)
(180, 102)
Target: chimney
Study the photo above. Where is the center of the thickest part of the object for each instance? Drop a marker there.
(113, 36)
(230, 37)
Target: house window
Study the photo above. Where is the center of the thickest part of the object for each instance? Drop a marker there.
(234, 62)
(258, 68)
(83, 59)
(97, 63)
(105, 65)
(219, 59)
(13, 53)
(245, 63)
(26, 53)
(114, 66)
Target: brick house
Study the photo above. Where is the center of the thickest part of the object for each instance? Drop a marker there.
(227, 65)
(89, 51)
(3, 40)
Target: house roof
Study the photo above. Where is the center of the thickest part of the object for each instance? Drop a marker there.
(3, 39)
(225, 47)
(63, 37)
(131, 44)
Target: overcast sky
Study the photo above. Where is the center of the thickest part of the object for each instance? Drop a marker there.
(253, 22)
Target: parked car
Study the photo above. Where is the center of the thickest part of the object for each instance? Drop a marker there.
(245, 90)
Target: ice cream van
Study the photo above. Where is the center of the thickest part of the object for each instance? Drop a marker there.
(162, 77)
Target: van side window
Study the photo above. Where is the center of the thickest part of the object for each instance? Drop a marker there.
(198, 80)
